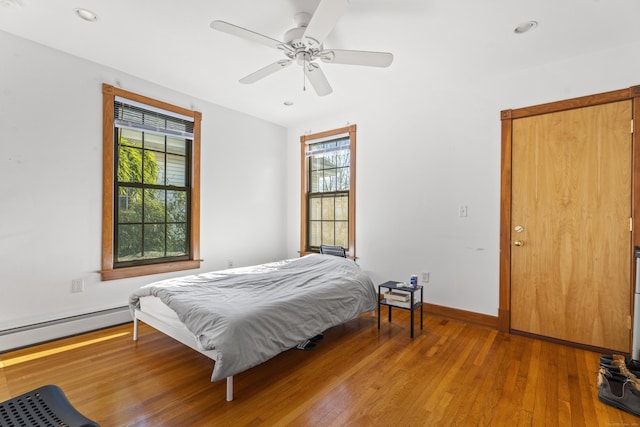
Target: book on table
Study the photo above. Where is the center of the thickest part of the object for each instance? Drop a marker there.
(395, 296)
(400, 298)
(403, 304)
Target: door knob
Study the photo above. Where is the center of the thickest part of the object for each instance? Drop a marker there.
(518, 243)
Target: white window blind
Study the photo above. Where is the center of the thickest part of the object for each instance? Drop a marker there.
(327, 145)
(130, 114)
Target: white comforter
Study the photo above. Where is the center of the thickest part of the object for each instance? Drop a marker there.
(252, 314)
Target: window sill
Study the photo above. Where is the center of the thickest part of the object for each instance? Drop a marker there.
(145, 270)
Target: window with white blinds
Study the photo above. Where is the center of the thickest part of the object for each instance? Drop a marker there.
(328, 213)
(152, 177)
(152, 159)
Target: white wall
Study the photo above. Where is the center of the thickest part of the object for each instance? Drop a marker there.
(51, 184)
(420, 156)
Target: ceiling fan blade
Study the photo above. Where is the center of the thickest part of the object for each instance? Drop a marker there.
(318, 80)
(357, 57)
(234, 30)
(324, 19)
(266, 71)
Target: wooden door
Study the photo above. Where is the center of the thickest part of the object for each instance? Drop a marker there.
(570, 225)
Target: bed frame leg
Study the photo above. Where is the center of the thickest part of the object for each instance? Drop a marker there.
(229, 389)
(135, 328)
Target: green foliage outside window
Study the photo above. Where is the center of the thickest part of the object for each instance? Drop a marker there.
(152, 219)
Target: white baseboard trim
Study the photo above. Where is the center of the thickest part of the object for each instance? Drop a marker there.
(28, 335)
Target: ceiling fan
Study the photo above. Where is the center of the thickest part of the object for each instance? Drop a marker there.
(303, 44)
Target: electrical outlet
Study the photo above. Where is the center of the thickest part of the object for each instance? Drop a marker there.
(229, 263)
(425, 277)
(77, 285)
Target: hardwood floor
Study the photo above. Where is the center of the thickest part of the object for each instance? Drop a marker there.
(449, 374)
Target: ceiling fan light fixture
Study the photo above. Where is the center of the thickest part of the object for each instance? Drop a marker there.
(303, 58)
(525, 27)
(304, 44)
(86, 14)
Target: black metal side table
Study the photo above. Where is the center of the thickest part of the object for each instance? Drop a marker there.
(411, 305)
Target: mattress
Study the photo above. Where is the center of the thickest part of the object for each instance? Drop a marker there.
(154, 306)
(249, 315)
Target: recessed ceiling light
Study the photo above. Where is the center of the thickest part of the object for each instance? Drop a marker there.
(85, 14)
(288, 103)
(525, 27)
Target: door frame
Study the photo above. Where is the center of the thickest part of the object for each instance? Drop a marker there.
(507, 117)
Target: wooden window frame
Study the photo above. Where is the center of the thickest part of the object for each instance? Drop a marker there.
(108, 272)
(351, 130)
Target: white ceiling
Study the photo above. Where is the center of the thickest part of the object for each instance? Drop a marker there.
(436, 44)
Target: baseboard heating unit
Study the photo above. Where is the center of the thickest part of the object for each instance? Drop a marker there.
(24, 336)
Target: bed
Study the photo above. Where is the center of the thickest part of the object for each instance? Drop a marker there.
(242, 317)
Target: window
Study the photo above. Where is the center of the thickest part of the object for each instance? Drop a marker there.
(151, 186)
(328, 190)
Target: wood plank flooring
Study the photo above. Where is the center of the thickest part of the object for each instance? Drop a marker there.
(450, 374)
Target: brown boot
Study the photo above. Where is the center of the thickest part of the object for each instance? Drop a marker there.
(618, 391)
(606, 361)
(624, 370)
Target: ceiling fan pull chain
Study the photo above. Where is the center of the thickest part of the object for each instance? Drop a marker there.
(304, 77)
